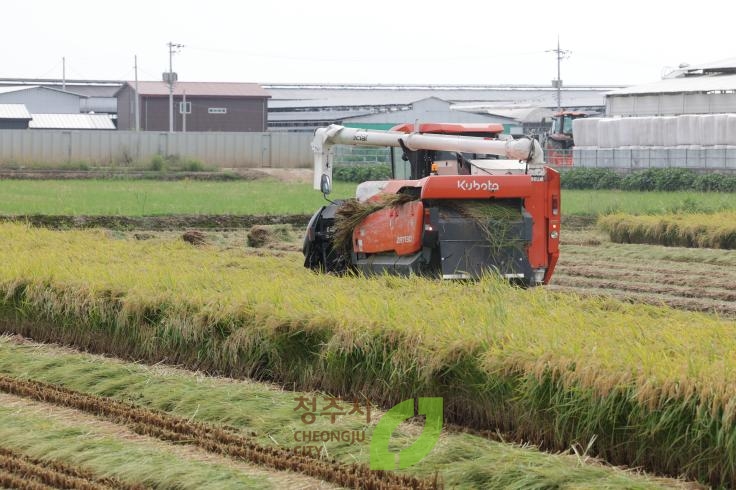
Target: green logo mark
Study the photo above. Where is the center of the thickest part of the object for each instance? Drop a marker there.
(383, 459)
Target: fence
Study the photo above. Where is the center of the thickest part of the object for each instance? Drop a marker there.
(357, 155)
(721, 158)
(224, 150)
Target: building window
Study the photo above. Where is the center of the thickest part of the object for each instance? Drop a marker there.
(217, 110)
(185, 107)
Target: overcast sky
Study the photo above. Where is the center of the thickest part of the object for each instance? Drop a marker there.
(376, 41)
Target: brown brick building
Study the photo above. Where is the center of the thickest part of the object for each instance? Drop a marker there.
(211, 106)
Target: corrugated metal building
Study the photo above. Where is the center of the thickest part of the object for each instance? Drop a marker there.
(430, 109)
(210, 106)
(14, 116)
(42, 100)
(331, 101)
(701, 89)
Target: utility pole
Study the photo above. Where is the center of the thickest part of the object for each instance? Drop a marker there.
(137, 97)
(561, 54)
(184, 112)
(171, 78)
(63, 73)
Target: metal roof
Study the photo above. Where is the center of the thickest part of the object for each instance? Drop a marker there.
(705, 83)
(7, 90)
(727, 65)
(14, 111)
(342, 97)
(202, 89)
(314, 115)
(89, 90)
(71, 121)
(524, 114)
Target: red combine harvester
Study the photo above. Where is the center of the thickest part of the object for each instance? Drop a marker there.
(559, 140)
(461, 212)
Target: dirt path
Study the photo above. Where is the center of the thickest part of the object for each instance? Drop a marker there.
(159, 223)
(209, 438)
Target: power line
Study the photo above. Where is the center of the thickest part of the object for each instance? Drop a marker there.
(364, 59)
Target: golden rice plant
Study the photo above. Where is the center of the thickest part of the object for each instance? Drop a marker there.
(651, 385)
(717, 230)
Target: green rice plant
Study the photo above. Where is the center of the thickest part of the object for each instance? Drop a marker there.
(143, 462)
(650, 386)
(266, 413)
(716, 230)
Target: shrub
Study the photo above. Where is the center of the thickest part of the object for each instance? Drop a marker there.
(193, 166)
(715, 182)
(361, 173)
(157, 163)
(590, 178)
(653, 179)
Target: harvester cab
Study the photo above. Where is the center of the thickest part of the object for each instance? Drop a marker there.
(453, 209)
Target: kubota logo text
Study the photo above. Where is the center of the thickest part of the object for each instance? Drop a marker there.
(383, 459)
(474, 185)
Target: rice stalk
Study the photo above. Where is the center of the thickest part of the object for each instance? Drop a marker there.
(717, 230)
(352, 212)
(654, 385)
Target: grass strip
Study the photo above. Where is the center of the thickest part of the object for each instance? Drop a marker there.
(265, 413)
(650, 385)
(175, 429)
(716, 230)
(77, 443)
(145, 198)
(139, 198)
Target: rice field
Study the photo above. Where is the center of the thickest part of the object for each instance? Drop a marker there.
(270, 196)
(716, 230)
(635, 384)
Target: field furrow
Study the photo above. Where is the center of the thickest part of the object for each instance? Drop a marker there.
(726, 310)
(9, 480)
(696, 281)
(210, 438)
(653, 286)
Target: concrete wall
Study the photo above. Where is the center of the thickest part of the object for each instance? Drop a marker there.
(224, 150)
(706, 159)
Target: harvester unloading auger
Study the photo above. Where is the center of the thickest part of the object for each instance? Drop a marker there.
(452, 209)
